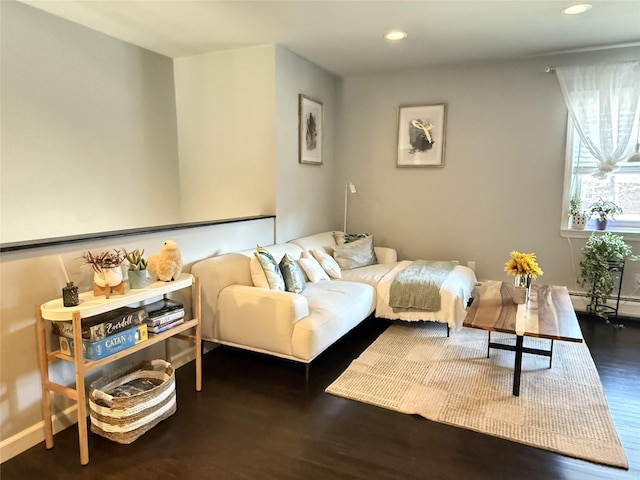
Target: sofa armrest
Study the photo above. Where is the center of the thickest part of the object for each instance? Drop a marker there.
(386, 254)
(259, 318)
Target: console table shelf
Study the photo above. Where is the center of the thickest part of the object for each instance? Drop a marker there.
(91, 305)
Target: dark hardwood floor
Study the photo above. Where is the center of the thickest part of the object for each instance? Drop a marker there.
(256, 419)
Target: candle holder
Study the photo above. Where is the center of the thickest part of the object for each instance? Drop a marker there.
(70, 297)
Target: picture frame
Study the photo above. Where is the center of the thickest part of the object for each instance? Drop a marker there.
(310, 130)
(421, 135)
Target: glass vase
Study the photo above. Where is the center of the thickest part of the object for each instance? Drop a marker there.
(523, 281)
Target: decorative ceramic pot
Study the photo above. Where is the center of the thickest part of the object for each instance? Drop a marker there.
(601, 224)
(137, 279)
(108, 276)
(578, 221)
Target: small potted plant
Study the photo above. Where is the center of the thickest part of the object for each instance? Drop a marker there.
(137, 269)
(106, 267)
(578, 217)
(602, 257)
(603, 210)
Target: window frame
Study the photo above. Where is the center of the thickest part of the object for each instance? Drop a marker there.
(630, 228)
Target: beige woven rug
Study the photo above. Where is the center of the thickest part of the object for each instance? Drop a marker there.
(413, 368)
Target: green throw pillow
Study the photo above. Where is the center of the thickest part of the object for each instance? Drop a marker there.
(342, 238)
(270, 268)
(358, 253)
(293, 276)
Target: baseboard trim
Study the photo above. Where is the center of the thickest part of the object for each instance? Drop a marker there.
(33, 435)
(629, 306)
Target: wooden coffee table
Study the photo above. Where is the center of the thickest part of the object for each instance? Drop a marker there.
(548, 314)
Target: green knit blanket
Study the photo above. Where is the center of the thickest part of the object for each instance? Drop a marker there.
(417, 287)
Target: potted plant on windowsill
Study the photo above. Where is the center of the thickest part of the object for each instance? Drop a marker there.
(137, 269)
(577, 215)
(603, 256)
(604, 210)
(107, 271)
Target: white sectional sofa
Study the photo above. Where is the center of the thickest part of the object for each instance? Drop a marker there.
(296, 326)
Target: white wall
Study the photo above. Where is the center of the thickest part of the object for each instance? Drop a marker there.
(305, 193)
(226, 129)
(501, 185)
(89, 139)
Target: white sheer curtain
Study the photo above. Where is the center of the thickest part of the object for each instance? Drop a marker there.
(603, 101)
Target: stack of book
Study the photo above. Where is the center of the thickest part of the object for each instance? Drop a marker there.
(104, 334)
(163, 315)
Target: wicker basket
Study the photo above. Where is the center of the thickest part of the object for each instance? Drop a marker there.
(125, 418)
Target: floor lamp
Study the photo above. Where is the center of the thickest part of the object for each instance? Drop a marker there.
(349, 187)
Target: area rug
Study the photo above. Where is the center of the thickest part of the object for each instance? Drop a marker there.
(414, 369)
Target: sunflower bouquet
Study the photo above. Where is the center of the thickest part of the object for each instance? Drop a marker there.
(523, 264)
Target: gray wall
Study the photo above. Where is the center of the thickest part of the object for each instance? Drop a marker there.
(89, 140)
(306, 194)
(501, 185)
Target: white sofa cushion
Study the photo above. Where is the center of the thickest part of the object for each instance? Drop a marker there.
(258, 318)
(327, 262)
(312, 268)
(335, 307)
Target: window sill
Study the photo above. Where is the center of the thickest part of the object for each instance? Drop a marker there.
(631, 235)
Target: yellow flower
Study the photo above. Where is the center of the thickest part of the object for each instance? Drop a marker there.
(520, 263)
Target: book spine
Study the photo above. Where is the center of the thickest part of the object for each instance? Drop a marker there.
(167, 326)
(102, 330)
(106, 346)
(165, 318)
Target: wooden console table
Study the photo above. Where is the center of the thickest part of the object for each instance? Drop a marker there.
(548, 314)
(93, 305)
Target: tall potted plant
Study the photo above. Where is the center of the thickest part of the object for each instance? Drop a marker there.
(603, 256)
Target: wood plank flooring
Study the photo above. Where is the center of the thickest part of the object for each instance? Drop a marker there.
(256, 419)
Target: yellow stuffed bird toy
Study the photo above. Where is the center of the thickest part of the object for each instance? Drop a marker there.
(166, 265)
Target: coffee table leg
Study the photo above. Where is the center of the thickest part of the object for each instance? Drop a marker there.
(517, 369)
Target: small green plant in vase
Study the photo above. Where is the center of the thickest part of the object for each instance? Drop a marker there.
(604, 210)
(137, 269)
(578, 217)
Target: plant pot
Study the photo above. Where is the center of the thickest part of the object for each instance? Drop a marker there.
(578, 221)
(137, 279)
(108, 276)
(601, 224)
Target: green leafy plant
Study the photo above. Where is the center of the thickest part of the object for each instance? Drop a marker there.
(602, 256)
(136, 260)
(108, 259)
(575, 205)
(604, 209)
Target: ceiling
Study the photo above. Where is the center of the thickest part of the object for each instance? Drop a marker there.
(346, 37)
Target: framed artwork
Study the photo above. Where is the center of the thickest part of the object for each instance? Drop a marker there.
(310, 130)
(421, 135)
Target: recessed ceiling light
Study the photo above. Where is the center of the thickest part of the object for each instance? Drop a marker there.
(395, 35)
(576, 9)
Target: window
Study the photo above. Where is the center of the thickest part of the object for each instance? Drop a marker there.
(604, 116)
(621, 186)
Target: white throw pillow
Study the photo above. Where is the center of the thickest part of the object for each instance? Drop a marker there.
(312, 268)
(358, 253)
(265, 272)
(327, 263)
